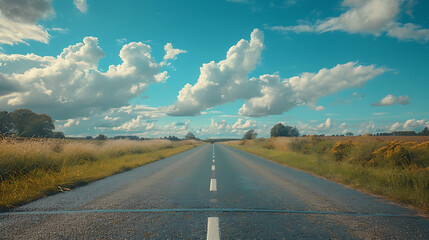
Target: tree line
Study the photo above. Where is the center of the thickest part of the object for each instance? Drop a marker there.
(278, 130)
(26, 123)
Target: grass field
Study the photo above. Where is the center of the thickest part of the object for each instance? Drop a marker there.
(394, 167)
(30, 169)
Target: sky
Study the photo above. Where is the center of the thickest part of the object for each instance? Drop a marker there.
(217, 68)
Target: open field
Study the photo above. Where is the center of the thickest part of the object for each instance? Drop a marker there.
(34, 168)
(394, 167)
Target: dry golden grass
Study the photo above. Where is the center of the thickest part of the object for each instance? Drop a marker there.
(387, 139)
(31, 169)
(394, 167)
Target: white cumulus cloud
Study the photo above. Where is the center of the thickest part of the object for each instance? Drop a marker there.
(72, 122)
(82, 5)
(224, 81)
(368, 17)
(18, 20)
(395, 126)
(8, 86)
(71, 85)
(410, 125)
(367, 127)
(220, 125)
(326, 125)
(278, 96)
(319, 108)
(26, 11)
(391, 100)
(171, 53)
(137, 124)
(242, 124)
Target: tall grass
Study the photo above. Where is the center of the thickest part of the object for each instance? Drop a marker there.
(34, 168)
(395, 169)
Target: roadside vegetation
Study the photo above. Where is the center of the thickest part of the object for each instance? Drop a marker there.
(394, 167)
(33, 168)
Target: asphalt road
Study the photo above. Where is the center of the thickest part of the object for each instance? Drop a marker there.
(209, 192)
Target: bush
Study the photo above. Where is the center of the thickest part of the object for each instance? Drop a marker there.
(403, 155)
(362, 153)
(341, 149)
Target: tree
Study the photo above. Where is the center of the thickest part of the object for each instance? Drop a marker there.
(293, 131)
(189, 136)
(424, 132)
(26, 123)
(41, 126)
(5, 122)
(280, 130)
(58, 135)
(100, 137)
(171, 138)
(251, 134)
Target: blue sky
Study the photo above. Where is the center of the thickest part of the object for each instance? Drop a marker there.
(217, 68)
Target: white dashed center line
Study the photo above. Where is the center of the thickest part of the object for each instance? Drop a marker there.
(213, 228)
(213, 187)
(213, 222)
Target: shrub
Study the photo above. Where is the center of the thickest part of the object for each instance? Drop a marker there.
(395, 154)
(362, 153)
(341, 149)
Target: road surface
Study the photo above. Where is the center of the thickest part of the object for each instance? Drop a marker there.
(210, 192)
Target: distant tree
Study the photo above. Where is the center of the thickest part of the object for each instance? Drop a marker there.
(189, 136)
(129, 137)
(58, 135)
(26, 123)
(251, 134)
(424, 132)
(173, 138)
(293, 131)
(280, 130)
(100, 137)
(89, 137)
(404, 133)
(349, 134)
(5, 122)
